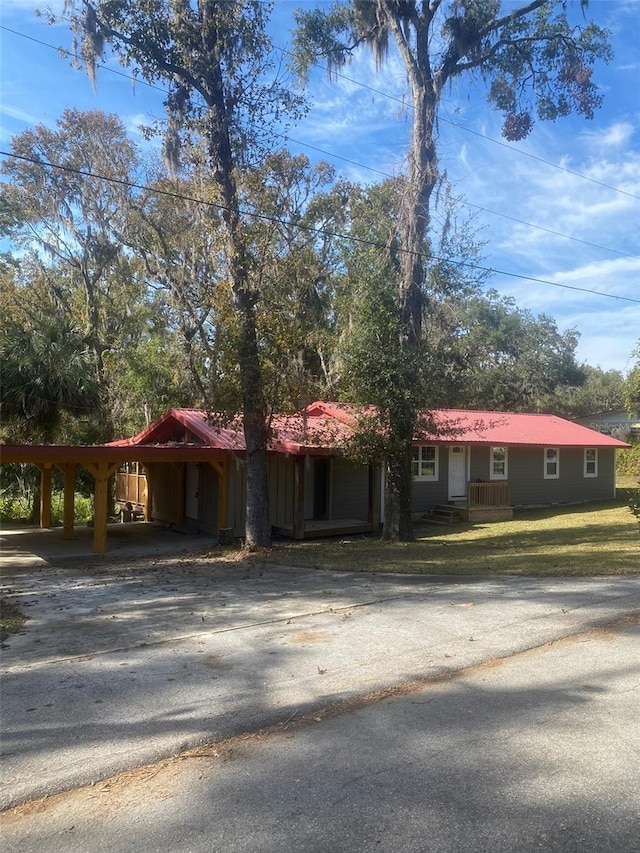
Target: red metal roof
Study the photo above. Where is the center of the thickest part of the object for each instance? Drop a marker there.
(189, 427)
(319, 430)
(289, 433)
(458, 426)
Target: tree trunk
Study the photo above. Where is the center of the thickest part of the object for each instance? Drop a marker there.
(258, 528)
(414, 225)
(398, 520)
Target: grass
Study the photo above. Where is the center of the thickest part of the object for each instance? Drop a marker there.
(627, 481)
(11, 619)
(590, 539)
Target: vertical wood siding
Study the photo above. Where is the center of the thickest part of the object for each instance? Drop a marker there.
(280, 489)
(165, 485)
(349, 492)
(208, 499)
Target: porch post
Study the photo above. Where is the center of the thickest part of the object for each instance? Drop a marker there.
(298, 497)
(148, 494)
(45, 495)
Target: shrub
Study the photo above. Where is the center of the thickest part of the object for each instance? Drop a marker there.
(14, 508)
(83, 507)
(628, 461)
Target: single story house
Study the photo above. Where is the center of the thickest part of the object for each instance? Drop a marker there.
(485, 462)
(194, 470)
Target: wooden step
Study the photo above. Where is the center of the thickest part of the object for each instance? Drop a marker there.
(443, 514)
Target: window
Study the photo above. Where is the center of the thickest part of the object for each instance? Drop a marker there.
(551, 463)
(498, 469)
(424, 464)
(591, 462)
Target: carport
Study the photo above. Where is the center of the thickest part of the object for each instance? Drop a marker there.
(102, 461)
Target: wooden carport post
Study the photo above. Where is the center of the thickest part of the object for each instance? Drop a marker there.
(147, 501)
(69, 470)
(45, 494)
(100, 471)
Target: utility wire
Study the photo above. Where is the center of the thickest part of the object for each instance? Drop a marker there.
(468, 129)
(471, 204)
(289, 138)
(362, 85)
(302, 227)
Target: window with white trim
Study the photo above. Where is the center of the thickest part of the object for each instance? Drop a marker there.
(551, 463)
(498, 465)
(591, 462)
(424, 462)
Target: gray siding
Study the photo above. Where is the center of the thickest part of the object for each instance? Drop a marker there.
(426, 494)
(529, 486)
(479, 465)
(349, 491)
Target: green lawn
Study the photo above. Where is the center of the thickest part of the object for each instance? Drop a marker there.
(590, 539)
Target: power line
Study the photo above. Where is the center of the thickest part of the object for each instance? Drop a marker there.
(362, 85)
(70, 54)
(301, 227)
(476, 206)
(468, 129)
(289, 138)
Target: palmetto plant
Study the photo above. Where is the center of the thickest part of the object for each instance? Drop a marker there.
(45, 370)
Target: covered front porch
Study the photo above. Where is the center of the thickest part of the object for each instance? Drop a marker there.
(320, 495)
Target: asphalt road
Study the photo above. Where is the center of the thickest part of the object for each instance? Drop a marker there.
(537, 752)
(323, 711)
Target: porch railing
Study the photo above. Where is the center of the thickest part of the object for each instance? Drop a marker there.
(488, 494)
(132, 488)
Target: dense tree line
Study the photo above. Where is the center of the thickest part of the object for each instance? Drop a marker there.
(237, 277)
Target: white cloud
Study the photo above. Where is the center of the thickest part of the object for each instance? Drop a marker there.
(19, 114)
(619, 133)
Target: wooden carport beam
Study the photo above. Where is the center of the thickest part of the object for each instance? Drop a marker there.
(100, 471)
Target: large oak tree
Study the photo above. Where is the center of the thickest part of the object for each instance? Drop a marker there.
(534, 61)
(213, 56)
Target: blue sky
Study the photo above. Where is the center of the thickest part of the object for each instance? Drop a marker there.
(573, 179)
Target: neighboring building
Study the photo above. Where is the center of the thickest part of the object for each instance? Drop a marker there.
(617, 423)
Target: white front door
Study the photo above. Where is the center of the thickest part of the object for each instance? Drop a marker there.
(457, 472)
